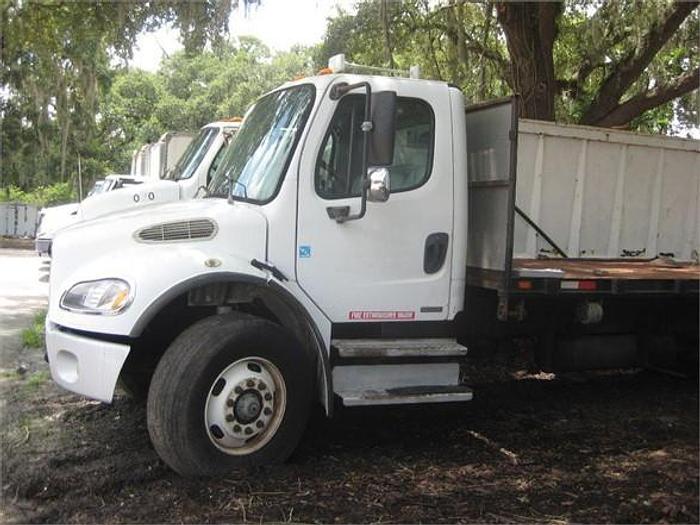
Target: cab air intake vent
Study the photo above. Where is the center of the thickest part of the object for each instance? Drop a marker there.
(193, 230)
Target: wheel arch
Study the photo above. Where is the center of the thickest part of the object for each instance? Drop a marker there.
(287, 309)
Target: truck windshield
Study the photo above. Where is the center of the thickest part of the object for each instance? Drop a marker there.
(193, 155)
(97, 188)
(253, 166)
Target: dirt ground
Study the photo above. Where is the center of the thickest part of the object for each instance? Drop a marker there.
(589, 448)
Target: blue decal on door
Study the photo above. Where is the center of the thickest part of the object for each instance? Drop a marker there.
(304, 251)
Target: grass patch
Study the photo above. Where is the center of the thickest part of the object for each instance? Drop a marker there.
(9, 374)
(33, 337)
(35, 380)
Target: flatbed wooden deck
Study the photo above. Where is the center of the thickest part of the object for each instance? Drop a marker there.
(655, 269)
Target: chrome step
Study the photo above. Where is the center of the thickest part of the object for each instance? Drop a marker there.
(407, 396)
(377, 348)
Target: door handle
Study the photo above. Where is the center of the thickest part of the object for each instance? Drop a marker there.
(435, 252)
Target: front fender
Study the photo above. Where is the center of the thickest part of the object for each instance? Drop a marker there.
(150, 277)
(291, 296)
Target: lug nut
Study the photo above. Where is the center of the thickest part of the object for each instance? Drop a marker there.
(229, 402)
(248, 430)
(262, 386)
(238, 390)
(229, 417)
(259, 424)
(250, 383)
(236, 428)
(267, 411)
(268, 396)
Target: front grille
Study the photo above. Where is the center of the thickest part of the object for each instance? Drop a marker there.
(196, 229)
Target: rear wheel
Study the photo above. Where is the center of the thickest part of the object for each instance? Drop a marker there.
(230, 392)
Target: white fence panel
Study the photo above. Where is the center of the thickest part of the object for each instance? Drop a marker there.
(18, 219)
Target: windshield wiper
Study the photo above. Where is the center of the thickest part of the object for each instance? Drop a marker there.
(245, 190)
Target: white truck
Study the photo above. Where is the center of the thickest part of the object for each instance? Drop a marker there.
(54, 218)
(140, 161)
(192, 172)
(193, 169)
(361, 230)
(156, 160)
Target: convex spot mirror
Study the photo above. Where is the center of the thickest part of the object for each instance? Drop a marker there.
(381, 141)
(379, 185)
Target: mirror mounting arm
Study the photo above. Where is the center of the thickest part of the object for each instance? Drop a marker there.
(337, 91)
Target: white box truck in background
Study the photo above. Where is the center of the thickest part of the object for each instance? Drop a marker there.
(165, 153)
(155, 160)
(193, 168)
(360, 233)
(140, 161)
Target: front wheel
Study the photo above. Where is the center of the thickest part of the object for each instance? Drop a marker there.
(231, 391)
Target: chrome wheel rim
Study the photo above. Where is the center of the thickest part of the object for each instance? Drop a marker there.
(245, 406)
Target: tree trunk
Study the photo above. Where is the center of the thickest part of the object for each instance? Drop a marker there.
(530, 30)
(388, 52)
(488, 17)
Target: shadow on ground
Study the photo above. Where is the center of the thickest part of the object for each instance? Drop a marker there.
(593, 448)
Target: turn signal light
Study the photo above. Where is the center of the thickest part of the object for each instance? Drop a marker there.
(524, 285)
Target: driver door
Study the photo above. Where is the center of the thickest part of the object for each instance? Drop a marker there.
(394, 263)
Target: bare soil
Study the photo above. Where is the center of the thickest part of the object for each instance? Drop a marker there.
(619, 447)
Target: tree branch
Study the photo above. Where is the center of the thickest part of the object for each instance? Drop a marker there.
(638, 104)
(631, 67)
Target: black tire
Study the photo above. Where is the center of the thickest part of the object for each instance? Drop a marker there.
(185, 375)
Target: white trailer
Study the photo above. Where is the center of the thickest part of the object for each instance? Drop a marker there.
(140, 161)
(165, 153)
(359, 234)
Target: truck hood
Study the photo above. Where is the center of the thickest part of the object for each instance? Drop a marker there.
(131, 196)
(57, 217)
(123, 224)
(117, 246)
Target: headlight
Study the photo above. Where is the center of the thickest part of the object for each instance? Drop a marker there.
(104, 297)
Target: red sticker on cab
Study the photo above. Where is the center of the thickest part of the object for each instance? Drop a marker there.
(364, 315)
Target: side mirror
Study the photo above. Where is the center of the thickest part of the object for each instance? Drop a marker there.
(379, 185)
(381, 141)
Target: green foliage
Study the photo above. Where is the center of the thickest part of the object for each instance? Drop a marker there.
(50, 195)
(36, 380)
(57, 63)
(463, 43)
(33, 337)
(66, 100)
(190, 91)
(458, 42)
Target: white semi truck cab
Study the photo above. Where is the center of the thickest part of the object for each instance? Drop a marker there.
(54, 218)
(356, 228)
(192, 171)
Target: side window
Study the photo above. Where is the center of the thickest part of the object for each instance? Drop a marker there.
(339, 165)
(215, 163)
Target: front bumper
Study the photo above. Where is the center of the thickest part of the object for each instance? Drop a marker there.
(84, 365)
(43, 246)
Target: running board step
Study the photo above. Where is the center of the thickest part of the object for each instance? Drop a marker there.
(373, 348)
(407, 396)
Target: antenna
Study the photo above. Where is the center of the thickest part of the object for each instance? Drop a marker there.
(338, 64)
